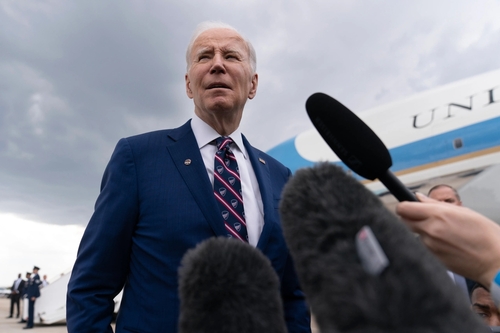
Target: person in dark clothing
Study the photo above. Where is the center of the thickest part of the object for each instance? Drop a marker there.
(22, 296)
(15, 295)
(32, 293)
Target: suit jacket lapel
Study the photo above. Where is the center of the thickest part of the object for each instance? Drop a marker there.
(187, 158)
(263, 178)
(460, 282)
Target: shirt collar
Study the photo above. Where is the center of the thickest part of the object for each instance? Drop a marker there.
(205, 134)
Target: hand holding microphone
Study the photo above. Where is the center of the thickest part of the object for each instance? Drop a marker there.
(467, 242)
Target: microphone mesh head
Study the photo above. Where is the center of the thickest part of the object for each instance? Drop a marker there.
(322, 210)
(228, 286)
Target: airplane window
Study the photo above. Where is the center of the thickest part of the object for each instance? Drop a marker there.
(457, 143)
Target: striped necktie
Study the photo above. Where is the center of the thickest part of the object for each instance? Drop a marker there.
(227, 190)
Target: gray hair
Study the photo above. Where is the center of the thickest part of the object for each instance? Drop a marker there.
(207, 25)
(445, 185)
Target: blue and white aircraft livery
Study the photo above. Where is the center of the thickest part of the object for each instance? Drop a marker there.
(453, 129)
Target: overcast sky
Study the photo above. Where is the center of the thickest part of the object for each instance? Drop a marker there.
(76, 76)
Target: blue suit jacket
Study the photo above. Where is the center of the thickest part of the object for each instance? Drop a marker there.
(33, 288)
(152, 208)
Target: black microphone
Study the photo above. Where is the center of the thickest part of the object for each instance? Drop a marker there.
(361, 269)
(228, 286)
(354, 143)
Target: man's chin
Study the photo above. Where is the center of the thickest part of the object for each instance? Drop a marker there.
(221, 105)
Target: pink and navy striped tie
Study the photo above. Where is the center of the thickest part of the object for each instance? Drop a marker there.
(227, 190)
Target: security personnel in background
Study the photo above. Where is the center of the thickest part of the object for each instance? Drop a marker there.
(32, 293)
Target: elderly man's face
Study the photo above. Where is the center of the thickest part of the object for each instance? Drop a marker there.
(220, 78)
(445, 194)
(483, 305)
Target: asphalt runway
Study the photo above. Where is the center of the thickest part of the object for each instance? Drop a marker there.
(11, 325)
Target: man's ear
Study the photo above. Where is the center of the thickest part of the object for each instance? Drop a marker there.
(253, 87)
(189, 92)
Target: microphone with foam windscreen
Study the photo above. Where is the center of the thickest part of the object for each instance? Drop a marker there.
(354, 143)
(228, 286)
(361, 269)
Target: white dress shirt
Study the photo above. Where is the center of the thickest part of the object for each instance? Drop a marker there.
(252, 200)
(460, 282)
(16, 284)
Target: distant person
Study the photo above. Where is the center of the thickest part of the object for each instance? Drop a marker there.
(24, 300)
(445, 193)
(467, 242)
(483, 305)
(44, 281)
(32, 293)
(164, 192)
(15, 295)
(448, 194)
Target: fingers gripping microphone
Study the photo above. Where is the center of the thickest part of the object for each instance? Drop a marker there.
(354, 143)
(361, 269)
(227, 286)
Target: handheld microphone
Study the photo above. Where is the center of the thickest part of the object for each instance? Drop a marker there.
(361, 269)
(228, 286)
(354, 143)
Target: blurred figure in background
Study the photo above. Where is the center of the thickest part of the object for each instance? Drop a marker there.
(483, 305)
(44, 282)
(15, 295)
(32, 293)
(448, 194)
(24, 301)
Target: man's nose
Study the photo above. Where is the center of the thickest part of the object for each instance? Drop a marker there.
(218, 64)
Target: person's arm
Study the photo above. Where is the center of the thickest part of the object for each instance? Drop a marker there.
(467, 242)
(38, 281)
(297, 315)
(103, 257)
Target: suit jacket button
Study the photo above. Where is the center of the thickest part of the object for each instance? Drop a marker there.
(187, 162)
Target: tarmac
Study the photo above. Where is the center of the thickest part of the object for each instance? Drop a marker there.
(11, 325)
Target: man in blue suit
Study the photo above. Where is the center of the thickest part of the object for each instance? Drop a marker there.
(157, 201)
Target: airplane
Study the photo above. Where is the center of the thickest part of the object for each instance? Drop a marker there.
(450, 134)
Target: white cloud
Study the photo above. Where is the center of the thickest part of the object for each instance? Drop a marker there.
(27, 243)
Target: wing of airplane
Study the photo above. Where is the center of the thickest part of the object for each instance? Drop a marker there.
(450, 135)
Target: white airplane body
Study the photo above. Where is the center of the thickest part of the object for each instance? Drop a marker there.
(450, 130)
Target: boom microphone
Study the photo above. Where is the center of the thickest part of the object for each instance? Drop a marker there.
(361, 269)
(228, 286)
(354, 143)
